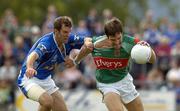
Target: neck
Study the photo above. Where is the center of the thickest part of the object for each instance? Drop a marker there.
(58, 41)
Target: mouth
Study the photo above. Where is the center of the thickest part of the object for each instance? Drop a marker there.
(66, 40)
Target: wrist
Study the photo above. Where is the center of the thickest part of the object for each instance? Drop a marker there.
(29, 66)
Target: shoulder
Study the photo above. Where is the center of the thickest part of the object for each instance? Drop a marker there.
(101, 42)
(99, 38)
(130, 39)
(74, 37)
(47, 40)
(47, 37)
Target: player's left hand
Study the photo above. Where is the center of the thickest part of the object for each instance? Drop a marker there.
(144, 43)
(69, 62)
(88, 43)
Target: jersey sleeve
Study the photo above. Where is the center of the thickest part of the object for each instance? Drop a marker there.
(136, 40)
(94, 39)
(76, 41)
(131, 40)
(42, 48)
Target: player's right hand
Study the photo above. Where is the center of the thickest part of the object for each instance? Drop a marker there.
(88, 44)
(144, 43)
(30, 72)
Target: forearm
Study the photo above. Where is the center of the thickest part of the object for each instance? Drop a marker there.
(83, 53)
(153, 57)
(31, 59)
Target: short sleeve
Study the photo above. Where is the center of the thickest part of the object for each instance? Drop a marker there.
(130, 39)
(41, 49)
(136, 40)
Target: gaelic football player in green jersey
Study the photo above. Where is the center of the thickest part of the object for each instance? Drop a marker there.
(111, 54)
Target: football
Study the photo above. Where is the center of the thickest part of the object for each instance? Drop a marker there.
(141, 54)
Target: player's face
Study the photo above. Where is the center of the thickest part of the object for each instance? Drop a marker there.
(116, 40)
(64, 33)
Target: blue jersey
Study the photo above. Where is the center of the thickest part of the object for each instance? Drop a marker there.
(50, 55)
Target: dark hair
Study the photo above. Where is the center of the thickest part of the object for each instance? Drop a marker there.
(63, 20)
(113, 26)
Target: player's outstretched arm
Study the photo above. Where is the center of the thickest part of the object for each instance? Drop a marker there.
(84, 51)
(30, 71)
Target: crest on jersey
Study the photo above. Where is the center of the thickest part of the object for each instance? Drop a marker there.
(42, 47)
(76, 38)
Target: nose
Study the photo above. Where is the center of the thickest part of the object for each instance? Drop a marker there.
(67, 35)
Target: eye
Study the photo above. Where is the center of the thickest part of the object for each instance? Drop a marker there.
(118, 38)
(112, 39)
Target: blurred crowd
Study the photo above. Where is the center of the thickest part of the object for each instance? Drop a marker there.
(163, 35)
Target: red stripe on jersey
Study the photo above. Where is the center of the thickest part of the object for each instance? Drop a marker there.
(110, 63)
(136, 40)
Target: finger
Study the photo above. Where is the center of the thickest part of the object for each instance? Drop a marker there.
(144, 43)
(65, 59)
(90, 47)
(35, 73)
(68, 62)
(32, 73)
(29, 75)
(67, 66)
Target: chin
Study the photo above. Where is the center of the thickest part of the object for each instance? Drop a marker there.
(65, 41)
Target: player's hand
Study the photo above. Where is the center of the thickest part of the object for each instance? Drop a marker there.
(144, 43)
(88, 43)
(69, 62)
(30, 72)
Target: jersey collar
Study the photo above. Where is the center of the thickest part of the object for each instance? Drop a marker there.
(62, 53)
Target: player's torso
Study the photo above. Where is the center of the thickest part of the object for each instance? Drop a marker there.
(49, 60)
(111, 68)
(53, 56)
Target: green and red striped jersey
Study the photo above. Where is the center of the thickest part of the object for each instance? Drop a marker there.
(111, 68)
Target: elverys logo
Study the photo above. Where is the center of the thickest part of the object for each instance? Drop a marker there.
(110, 63)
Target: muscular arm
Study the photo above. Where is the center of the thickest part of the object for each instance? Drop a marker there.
(30, 71)
(85, 50)
(82, 53)
(31, 59)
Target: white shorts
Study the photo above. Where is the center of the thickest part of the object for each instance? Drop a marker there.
(124, 88)
(47, 84)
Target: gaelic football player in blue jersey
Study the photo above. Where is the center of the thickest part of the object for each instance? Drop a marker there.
(51, 49)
